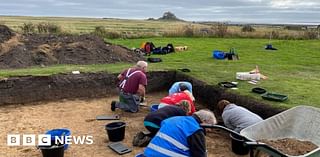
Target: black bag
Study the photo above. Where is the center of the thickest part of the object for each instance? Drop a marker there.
(157, 50)
(232, 55)
(154, 60)
(170, 48)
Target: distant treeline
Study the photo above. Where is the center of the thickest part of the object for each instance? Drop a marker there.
(219, 30)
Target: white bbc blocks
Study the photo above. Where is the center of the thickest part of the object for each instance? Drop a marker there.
(28, 140)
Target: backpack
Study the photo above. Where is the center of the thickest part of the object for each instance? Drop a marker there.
(148, 48)
(170, 48)
(157, 50)
(232, 55)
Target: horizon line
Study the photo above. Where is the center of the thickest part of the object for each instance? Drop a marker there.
(213, 21)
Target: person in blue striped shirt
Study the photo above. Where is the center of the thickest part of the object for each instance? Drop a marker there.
(181, 136)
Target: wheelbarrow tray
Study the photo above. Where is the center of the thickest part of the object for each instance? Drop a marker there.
(301, 122)
(274, 96)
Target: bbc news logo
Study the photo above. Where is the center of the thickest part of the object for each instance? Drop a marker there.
(45, 140)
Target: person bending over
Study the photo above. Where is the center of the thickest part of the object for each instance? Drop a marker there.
(180, 86)
(236, 117)
(177, 97)
(153, 120)
(181, 136)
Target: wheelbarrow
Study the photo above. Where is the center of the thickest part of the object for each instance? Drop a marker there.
(301, 122)
(242, 145)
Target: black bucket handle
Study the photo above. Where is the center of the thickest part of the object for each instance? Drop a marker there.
(114, 128)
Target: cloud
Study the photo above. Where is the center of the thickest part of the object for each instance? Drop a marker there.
(192, 10)
(61, 3)
(294, 3)
(16, 5)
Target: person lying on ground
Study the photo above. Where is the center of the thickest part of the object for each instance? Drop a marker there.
(236, 117)
(181, 136)
(153, 120)
(180, 86)
(132, 84)
(175, 98)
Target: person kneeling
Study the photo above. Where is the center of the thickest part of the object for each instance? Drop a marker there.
(132, 88)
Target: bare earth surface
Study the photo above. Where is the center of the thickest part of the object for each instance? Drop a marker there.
(79, 117)
(21, 50)
(291, 146)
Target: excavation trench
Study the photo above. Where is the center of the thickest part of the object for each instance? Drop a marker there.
(36, 104)
(27, 89)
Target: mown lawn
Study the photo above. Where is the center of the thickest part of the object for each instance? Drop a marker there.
(294, 69)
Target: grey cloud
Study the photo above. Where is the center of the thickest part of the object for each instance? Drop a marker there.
(194, 10)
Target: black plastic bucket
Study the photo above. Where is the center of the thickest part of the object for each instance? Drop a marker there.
(116, 131)
(52, 151)
(237, 145)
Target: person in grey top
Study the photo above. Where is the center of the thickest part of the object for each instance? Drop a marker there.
(236, 117)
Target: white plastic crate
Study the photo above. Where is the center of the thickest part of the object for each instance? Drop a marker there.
(247, 76)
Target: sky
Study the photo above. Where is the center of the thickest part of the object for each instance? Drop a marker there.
(246, 11)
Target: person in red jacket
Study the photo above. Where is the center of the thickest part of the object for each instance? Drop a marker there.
(177, 97)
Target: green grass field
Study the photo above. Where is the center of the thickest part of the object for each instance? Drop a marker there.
(145, 28)
(293, 70)
(87, 25)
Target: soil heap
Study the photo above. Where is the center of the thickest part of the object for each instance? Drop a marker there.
(20, 51)
(5, 33)
(291, 146)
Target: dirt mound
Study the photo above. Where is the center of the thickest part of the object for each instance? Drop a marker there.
(291, 146)
(45, 50)
(5, 33)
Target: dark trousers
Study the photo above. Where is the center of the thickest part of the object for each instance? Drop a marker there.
(128, 102)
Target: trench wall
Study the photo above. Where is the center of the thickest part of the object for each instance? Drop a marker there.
(210, 95)
(27, 89)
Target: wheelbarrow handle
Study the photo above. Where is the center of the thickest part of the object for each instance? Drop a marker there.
(225, 129)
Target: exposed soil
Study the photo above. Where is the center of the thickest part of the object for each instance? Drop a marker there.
(5, 33)
(291, 146)
(19, 51)
(79, 117)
